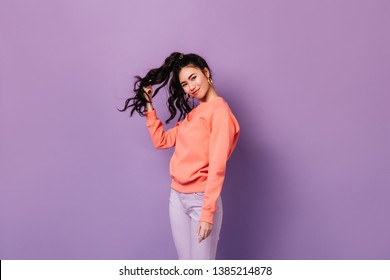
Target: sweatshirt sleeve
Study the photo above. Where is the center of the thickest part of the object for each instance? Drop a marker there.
(161, 139)
(223, 138)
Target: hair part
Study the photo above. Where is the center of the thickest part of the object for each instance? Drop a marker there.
(167, 73)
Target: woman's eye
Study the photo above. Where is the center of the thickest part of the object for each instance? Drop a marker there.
(193, 78)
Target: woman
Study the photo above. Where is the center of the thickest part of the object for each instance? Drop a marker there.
(204, 138)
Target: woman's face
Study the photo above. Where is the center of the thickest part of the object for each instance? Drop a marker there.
(195, 82)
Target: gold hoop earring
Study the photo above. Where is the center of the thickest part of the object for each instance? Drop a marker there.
(210, 81)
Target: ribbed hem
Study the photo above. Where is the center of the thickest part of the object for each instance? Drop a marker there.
(198, 186)
(151, 117)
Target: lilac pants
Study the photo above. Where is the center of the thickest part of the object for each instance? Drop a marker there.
(184, 213)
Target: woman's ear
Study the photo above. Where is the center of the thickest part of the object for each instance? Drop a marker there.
(206, 72)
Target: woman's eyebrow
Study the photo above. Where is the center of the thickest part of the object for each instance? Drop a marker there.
(189, 77)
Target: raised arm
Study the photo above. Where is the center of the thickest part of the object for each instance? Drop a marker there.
(161, 139)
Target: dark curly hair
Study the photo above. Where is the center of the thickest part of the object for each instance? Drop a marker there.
(168, 72)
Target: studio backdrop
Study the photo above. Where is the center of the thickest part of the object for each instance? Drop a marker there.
(307, 80)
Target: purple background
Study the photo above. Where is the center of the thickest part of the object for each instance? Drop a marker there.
(307, 80)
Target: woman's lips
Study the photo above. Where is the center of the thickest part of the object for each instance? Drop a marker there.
(195, 92)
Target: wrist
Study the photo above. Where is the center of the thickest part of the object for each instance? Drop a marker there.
(149, 107)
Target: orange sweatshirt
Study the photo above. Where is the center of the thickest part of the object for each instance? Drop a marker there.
(203, 142)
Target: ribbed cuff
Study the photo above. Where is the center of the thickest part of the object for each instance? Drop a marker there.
(151, 117)
(206, 217)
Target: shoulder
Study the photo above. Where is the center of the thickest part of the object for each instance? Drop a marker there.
(217, 110)
(217, 106)
(222, 113)
(221, 109)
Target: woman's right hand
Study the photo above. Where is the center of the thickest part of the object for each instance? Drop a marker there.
(148, 93)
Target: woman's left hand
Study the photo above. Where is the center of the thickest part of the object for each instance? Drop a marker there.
(204, 230)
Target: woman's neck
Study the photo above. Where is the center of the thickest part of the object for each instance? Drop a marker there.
(210, 95)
